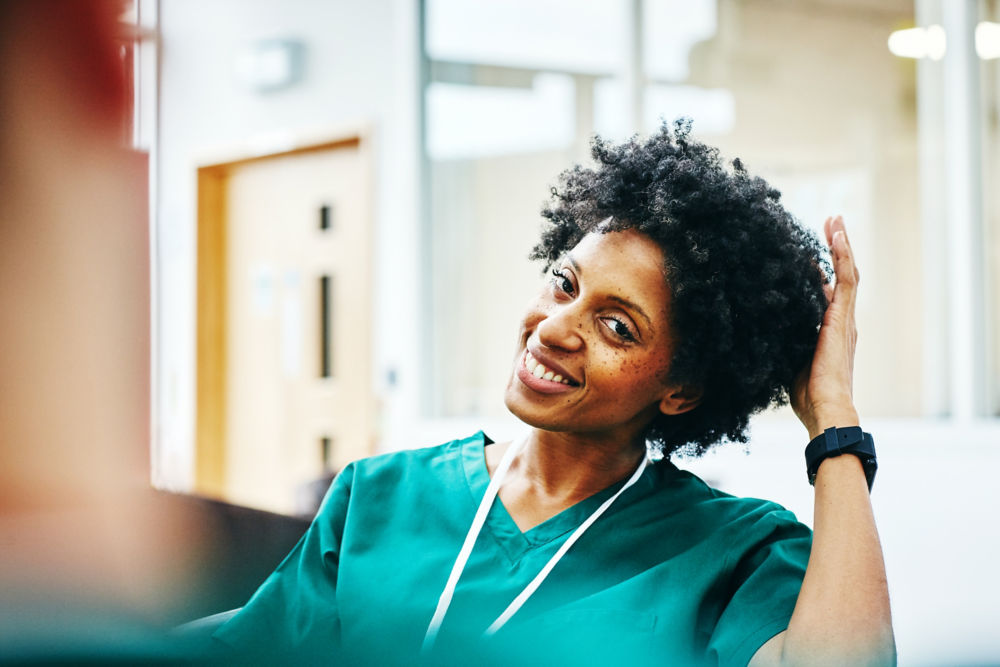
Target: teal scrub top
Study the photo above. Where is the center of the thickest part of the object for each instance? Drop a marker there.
(675, 572)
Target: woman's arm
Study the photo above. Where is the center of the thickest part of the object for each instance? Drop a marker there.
(842, 613)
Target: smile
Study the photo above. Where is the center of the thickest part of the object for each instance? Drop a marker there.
(540, 371)
(543, 379)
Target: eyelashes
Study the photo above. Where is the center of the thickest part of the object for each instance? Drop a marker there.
(618, 327)
(561, 282)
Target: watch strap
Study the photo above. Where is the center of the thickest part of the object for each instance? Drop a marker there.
(844, 440)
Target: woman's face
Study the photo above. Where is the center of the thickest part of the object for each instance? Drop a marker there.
(600, 331)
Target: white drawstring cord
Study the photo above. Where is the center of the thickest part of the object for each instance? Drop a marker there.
(470, 540)
(537, 581)
(477, 525)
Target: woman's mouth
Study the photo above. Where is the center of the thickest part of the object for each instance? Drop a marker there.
(540, 371)
(537, 376)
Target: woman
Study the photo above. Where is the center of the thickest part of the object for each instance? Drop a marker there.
(683, 299)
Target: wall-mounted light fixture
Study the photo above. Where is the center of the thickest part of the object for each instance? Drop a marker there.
(271, 64)
(931, 42)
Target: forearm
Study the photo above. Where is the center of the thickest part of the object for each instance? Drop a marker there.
(842, 613)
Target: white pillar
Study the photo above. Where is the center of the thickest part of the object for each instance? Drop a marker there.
(634, 76)
(963, 188)
(934, 215)
(584, 89)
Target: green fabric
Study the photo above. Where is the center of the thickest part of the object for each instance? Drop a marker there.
(70, 631)
(674, 572)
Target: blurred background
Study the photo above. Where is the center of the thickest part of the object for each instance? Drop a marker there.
(342, 196)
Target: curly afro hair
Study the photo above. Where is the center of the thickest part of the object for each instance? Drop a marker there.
(745, 277)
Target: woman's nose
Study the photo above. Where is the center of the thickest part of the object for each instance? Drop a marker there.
(562, 328)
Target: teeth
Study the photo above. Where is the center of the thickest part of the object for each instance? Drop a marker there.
(540, 371)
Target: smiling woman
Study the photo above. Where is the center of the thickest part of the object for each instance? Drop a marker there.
(590, 325)
(683, 298)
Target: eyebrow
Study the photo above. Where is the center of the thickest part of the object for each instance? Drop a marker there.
(625, 302)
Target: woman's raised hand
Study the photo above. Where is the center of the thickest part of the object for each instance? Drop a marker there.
(823, 392)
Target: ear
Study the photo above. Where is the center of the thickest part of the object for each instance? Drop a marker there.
(680, 399)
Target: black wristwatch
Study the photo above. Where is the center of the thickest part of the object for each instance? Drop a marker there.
(836, 441)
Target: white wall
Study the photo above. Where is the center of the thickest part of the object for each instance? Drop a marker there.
(935, 500)
(360, 70)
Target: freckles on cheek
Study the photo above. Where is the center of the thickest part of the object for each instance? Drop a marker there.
(614, 360)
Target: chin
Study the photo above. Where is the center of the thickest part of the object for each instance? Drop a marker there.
(510, 400)
(516, 404)
(522, 408)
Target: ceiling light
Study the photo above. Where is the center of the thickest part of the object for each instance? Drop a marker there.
(988, 40)
(915, 42)
(930, 42)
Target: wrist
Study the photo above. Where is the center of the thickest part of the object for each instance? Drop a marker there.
(837, 441)
(838, 418)
(838, 465)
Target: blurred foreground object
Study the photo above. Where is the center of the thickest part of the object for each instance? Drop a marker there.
(81, 546)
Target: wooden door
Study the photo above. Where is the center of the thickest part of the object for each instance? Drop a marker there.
(284, 328)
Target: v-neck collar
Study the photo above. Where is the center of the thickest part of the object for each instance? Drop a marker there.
(501, 525)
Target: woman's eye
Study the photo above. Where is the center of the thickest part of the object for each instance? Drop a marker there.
(620, 329)
(561, 282)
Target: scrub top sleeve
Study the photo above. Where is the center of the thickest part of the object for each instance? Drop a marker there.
(765, 582)
(294, 612)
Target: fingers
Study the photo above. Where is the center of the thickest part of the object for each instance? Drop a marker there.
(844, 266)
(845, 269)
(828, 292)
(843, 254)
(827, 282)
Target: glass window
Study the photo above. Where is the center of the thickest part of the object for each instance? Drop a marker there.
(535, 34)
(833, 128)
(539, 117)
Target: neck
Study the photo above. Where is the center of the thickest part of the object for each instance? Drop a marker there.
(573, 467)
